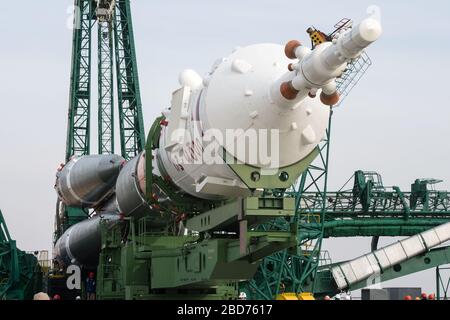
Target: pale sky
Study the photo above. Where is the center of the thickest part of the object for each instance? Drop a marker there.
(395, 122)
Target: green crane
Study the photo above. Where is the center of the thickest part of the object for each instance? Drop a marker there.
(116, 59)
(20, 274)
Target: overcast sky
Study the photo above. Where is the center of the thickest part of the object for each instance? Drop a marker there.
(395, 122)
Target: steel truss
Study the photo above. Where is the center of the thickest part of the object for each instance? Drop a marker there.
(116, 55)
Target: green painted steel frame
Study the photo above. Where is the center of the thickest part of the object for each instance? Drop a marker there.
(19, 271)
(105, 88)
(9, 268)
(318, 180)
(132, 135)
(79, 114)
(78, 131)
(293, 270)
(367, 200)
(189, 266)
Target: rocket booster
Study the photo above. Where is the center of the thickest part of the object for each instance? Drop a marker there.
(81, 243)
(88, 180)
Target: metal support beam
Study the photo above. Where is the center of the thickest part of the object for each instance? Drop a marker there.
(372, 227)
(442, 283)
(19, 271)
(78, 129)
(132, 135)
(292, 270)
(105, 88)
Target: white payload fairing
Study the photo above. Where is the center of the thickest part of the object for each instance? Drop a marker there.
(279, 94)
(256, 88)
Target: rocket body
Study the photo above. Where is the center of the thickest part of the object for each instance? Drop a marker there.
(240, 98)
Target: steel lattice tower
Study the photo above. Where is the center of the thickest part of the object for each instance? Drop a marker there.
(116, 54)
(116, 65)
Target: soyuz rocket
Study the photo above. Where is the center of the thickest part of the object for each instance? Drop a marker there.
(260, 87)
